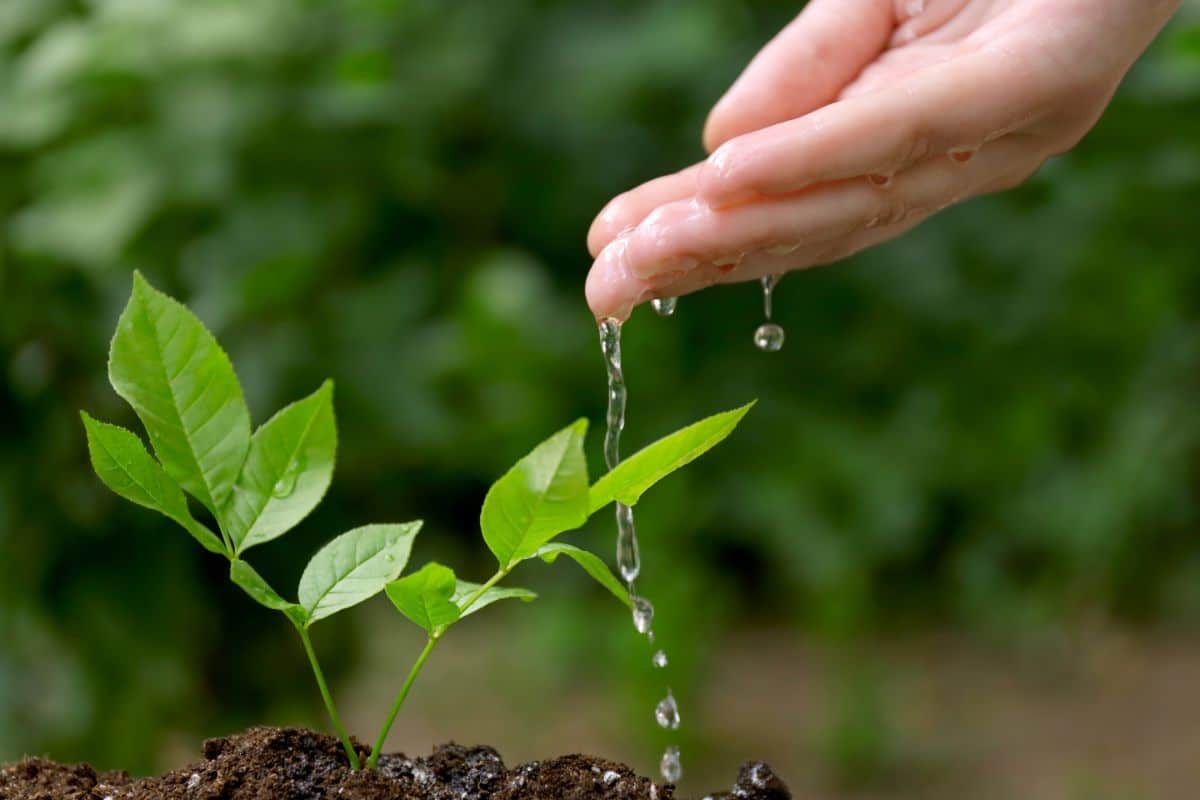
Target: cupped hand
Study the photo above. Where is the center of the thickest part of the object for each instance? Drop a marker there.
(858, 121)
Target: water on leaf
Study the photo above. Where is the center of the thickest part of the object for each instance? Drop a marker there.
(660, 659)
(286, 484)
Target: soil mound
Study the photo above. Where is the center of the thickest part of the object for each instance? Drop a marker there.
(298, 764)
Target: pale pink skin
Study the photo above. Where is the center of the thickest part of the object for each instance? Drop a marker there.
(860, 120)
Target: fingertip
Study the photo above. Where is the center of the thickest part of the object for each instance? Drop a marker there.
(610, 290)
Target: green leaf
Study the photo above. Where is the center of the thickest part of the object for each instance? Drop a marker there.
(286, 473)
(172, 371)
(466, 590)
(355, 567)
(256, 586)
(633, 476)
(425, 597)
(543, 495)
(591, 563)
(121, 461)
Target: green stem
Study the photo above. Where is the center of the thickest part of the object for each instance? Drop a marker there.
(400, 698)
(328, 698)
(492, 581)
(434, 638)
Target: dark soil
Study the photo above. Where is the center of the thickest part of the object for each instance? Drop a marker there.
(298, 764)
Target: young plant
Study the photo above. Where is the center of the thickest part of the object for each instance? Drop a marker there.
(546, 493)
(256, 487)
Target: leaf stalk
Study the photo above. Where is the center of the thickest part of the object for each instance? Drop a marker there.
(328, 698)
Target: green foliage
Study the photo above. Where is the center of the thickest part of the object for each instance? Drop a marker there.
(590, 562)
(627, 481)
(288, 469)
(480, 597)
(543, 495)
(168, 366)
(426, 597)
(121, 461)
(355, 567)
(182, 386)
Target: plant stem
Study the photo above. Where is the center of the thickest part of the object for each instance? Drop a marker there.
(400, 698)
(434, 638)
(328, 698)
(500, 575)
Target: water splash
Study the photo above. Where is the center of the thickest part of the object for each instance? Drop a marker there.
(660, 660)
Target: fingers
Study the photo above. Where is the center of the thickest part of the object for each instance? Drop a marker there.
(686, 245)
(626, 210)
(802, 68)
(956, 105)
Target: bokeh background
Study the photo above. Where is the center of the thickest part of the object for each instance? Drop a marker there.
(953, 551)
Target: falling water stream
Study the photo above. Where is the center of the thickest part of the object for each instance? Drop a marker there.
(769, 338)
(628, 558)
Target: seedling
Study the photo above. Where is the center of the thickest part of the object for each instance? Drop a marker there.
(256, 487)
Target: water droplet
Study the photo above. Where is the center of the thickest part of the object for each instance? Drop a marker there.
(671, 765)
(286, 484)
(882, 181)
(664, 306)
(643, 614)
(667, 713)
(769, 337)
(660, 659)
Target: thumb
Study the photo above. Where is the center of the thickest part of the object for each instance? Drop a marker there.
(804, 67)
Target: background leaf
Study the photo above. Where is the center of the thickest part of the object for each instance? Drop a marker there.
(591, 563)
(167, 365)
(466, 589)
(543, 495)
(121, 461)
(425, 596)
(287, 471)
(648, 466)
(355, 567)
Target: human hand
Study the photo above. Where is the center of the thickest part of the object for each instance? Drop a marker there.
(858, 121)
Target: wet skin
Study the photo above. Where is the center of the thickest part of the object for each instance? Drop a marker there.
(857, 122)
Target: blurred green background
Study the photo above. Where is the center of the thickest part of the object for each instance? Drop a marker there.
(953, 549)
